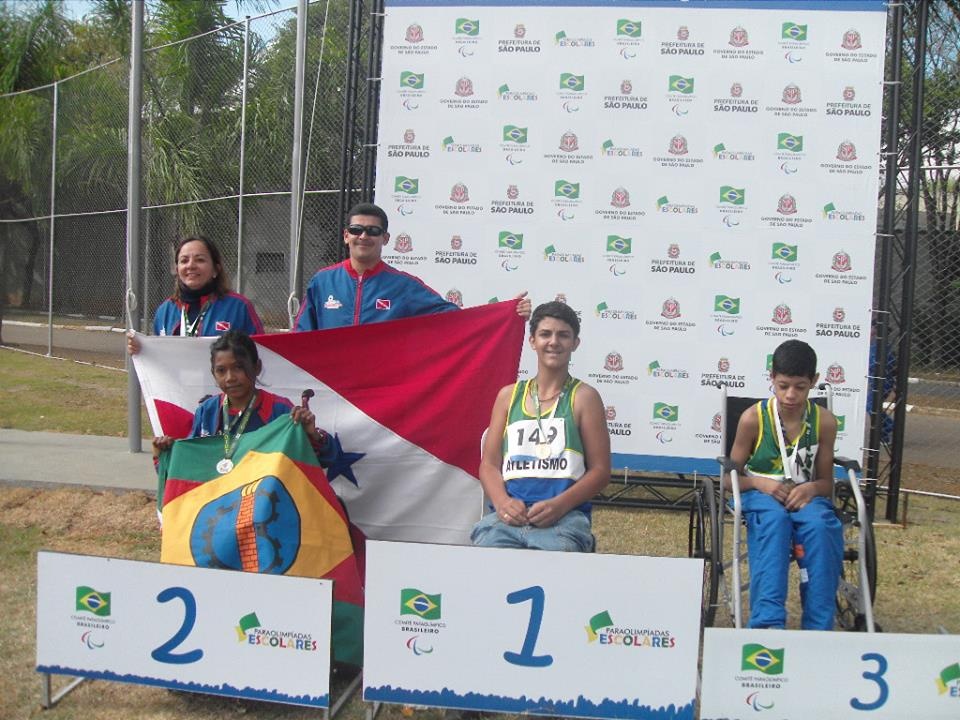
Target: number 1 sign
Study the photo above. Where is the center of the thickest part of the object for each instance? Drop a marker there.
(570, 634)
(264, 637)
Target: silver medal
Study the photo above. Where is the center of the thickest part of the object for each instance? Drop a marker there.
(225, 466)
(543, 450)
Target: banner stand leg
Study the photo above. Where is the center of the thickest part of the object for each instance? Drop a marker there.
(49, 699)
(347, 693)
(372, 710)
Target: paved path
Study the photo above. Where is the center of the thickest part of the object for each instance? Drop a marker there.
(57, 458)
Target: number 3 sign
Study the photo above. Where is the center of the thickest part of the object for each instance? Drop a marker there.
(805, 674)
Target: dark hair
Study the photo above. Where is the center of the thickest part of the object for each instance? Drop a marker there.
(558, 310)
(369, 209)
(794, 358)
(221, 283)
(243, 348)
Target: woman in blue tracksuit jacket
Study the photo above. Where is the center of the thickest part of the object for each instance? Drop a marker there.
(202, 303)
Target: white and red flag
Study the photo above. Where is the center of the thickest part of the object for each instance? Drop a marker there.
(408, 401)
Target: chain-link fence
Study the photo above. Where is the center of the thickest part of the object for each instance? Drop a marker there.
(217, 138)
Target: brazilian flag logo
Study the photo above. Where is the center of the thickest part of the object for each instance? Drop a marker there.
(628, 28)
(93, 601)
(680, 84)
(569, 81)
(732, 195)
(513, 241)
(247, 623)
(569, 190)
(758, 657)
(790, 143)
(792, 31)
(729, 305)
(467, 27)
(841, 423)
(512, 133)
(784, 252)
(618, 244)
(417, 602)
(668, 413)
(411, 80)
(410, 186)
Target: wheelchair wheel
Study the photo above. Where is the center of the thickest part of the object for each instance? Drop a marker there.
(703, 541)
(849, 594)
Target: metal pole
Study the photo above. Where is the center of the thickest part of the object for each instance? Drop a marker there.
(909, 259)
(345, 201)
(53, 218)
(374, 84)
(296, 170)
(133, 213)
(243, 150)
(881, 319)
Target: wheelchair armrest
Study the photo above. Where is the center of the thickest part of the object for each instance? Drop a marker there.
(847, 463)
(726, 463)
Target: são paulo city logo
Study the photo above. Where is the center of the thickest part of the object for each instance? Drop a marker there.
(251, 632)
(838, 327)
(602, 631)
(627, 99)
(408, 148)
(456, 255)
(519, 43)
(684, 44)
(673, 262)
(736, 102)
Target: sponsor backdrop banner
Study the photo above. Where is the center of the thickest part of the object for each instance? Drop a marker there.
(263, 637)
(698, 180)
(788, 674)
(506, 631)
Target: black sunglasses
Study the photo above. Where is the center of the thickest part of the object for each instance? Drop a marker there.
(371, 230)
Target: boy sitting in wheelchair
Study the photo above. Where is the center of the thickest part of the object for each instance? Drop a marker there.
(788, 431)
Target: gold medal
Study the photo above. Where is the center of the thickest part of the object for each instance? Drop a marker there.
(225, 466)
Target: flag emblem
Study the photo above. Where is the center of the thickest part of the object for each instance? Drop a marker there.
(383, 304)
(417, 602)
(93, 601)
(757, 657)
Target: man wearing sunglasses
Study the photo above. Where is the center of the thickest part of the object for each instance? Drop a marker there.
(364, 289)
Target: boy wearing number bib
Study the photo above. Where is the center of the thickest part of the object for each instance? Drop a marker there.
(547, 451)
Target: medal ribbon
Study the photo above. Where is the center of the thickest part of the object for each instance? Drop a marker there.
(535, 391)
(240, 424)
(782, 440)
(193, 329)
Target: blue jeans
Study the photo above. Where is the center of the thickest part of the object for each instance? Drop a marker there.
(571, 533)
(772, 532)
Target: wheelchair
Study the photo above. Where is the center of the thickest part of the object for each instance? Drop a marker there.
(711, 520)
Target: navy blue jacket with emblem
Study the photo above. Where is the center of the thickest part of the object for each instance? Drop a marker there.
(228, 312)
(337, 297)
